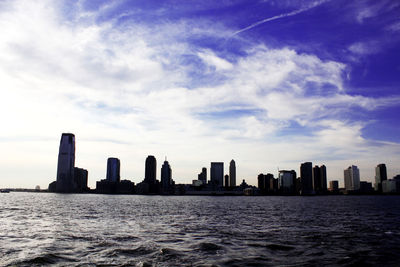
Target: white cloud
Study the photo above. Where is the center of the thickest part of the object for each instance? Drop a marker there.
(126, 91)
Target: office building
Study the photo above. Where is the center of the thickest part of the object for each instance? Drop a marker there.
(66, 164)
(264, 183)
(81, 179)
(203, 175)
(217, 173)
(334, 186)
(226, 182)
(306, 178)
(113, 170)
(352, 178)
(232, 174)
(150, 170)
(380, 176)
(324, 185)
(166, 176)
(287, 181)
(316, 175)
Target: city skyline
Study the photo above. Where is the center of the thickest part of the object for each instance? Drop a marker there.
(270, 84)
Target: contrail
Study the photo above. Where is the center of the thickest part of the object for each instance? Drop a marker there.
(315, 4)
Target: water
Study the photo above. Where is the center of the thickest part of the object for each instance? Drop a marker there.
(128, 230)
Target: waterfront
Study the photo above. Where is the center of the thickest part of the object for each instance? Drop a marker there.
(133, 230)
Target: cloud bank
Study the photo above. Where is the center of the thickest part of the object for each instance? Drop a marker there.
(129, 89)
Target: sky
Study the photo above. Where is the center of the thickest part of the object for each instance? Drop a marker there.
(268, 83)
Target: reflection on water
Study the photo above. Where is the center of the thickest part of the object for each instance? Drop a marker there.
(76, 230)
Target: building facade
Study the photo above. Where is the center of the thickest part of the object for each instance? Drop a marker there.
(113, 170)
(232, 173)
(66, 163)
(166, 176)
(150, 172)
(306, 178)
(352, 178)
(380, 176)
(217, 173)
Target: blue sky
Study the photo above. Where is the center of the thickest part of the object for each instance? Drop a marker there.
(270, 84)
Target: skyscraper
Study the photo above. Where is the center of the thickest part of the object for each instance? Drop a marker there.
(380, 176)
(150, 170)
(324, 183)
(286, 181)
(66, 163)
(317, 185)
(203, 175)
(232, 173)
(306, 178)
(166, 175)
(226, 183)
(217, 173)
(113, 170)
(352, 178)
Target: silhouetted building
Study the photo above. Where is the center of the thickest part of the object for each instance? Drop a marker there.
(113, 170)
(66, 164)
(217, 173)
(265, 183)
(232, 174)
(323, 178)
(317, 183)
(380, 176)
(366, 187)
(226, 184)
(203, 175)
(287, 181)
(150, 170)
(334, 186)
(306, 178)
(81, 179)
(352, 178)
(166, 176)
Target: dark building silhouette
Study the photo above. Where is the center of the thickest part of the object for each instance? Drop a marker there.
(317, 182)
(113, 184)
(265, 183)
(203, 175)
(217, 173)
(226, 183)
(81, 180)
(113, 170)
(287, 181)
(306, 179)
(69, 178)
(166, 177)
(66, 164)
(334, 186)
(366, 187)
(150, 170)
(232, 174)
(323, 178)
(380, 176)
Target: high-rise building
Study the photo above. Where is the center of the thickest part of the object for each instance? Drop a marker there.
(217, 173)
(323, 178)
(203, 175)
(286, 181)
(306, 178)
(334, 186)
(81, 179)
(352, 178)
(380, 176)
(226, 184)
(66, 163)
(317, 185)
(166, 175)
(150, 170)
(113, 170)
(232, 174)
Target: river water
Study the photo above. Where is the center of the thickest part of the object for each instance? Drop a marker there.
(129, 230)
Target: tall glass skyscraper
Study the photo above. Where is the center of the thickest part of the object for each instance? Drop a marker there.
(232, 173)
(306, 178)
(66, 163)
(380, 176)
(113, 170)
(150, 170)
(166, 175)
(217, 173)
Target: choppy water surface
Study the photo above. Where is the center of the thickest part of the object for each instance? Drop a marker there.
(80, 230)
